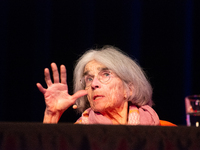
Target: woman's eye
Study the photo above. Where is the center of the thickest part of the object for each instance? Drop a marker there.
(88, 79)
(106, 74)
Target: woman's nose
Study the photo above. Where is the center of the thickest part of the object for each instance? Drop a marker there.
(95, 83)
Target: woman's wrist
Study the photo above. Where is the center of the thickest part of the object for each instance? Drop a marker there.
(51, 117)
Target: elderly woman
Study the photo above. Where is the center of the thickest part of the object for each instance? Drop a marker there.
(109, 87)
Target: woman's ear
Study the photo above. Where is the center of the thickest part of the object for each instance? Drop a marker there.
(129, 90)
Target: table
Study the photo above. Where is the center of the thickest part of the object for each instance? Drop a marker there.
(96, 137)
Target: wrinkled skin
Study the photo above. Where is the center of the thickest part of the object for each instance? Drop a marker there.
(106, 98)
(56, 94)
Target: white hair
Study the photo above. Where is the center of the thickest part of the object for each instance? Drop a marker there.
(124, 67)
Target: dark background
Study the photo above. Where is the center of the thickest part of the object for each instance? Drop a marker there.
(163, 36)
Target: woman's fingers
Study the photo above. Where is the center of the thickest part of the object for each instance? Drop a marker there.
(63, 74)
(40, 87)
(55, 73)
(47, 77)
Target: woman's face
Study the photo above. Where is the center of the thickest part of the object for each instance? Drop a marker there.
(107, 96)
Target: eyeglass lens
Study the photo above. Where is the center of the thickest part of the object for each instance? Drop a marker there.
(103, 77)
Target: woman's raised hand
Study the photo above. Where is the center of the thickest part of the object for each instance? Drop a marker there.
(56, 94)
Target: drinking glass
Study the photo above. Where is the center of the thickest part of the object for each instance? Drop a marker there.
(192, 107)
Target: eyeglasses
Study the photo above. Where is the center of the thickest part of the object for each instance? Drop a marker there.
(103, 76)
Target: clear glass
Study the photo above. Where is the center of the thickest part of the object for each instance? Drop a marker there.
(192, 107)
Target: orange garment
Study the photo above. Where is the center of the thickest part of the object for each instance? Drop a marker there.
(166, 123)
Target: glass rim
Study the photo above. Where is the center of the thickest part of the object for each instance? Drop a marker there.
(98, 77)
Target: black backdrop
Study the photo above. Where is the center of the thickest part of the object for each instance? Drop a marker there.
(163, 36)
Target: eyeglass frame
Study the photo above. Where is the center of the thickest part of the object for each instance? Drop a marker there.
(106, 70)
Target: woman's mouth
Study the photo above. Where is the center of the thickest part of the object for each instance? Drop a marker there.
(97, 97)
